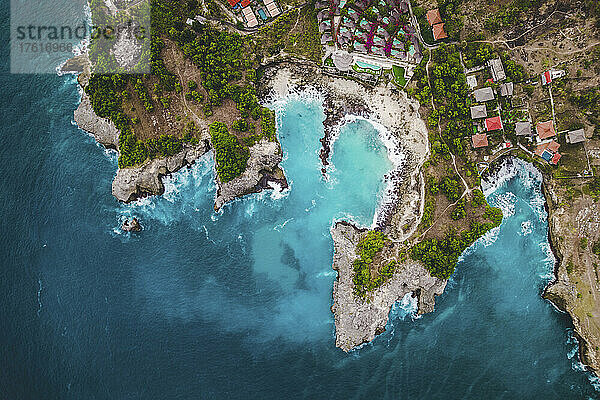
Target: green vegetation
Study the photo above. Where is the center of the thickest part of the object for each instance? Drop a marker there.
(596, 248)
(267, 123)
(583, 243)
(450, 13)
(422, 92)
(459, 212)
(476, 54)
(451, 188)
(231, 157)
(510, 15)
(399, 75)
(589, 102)
(164, 146)
(296, 33)
(451, 94)
(241, 125)
(368, 248)
(440, 256)
(478, 198)
(421, 16)
(143, 95)
(570, 267)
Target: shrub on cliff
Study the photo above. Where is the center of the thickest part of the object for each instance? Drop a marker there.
(231, 157)
(367, 249)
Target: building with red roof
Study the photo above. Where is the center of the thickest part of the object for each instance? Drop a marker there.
(551, 146)
(245, 3)
(479, 140)
(546, 78)
(439, 32)
(549, 151)
(434, 17)
(233, 3)
(545, 130)
(493, 124)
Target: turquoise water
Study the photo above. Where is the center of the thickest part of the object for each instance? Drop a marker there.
(236, 305)
(368, 66)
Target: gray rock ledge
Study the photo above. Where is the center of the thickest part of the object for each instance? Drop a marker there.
(359, 321)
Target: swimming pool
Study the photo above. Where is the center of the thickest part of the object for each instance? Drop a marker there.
(368, 66)
(262, 14)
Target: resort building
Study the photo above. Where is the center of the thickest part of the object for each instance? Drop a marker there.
(484, 94)
(478, 112)
(507, 89)
(545, 130)
(437, 26)
(493, 124)
(523, 129)
(548, 151)
(551, 75)
(249, 16)
(472, 81)
(272, 8)
(576, 136)
(497, 70)
(479, 140)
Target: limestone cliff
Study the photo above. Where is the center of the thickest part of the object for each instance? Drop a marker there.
(358, 320)
(574, 227)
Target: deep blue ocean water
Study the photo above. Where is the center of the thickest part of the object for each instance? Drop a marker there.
(235, 305)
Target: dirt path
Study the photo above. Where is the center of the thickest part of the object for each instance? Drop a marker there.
(464, 182)
(201, 122)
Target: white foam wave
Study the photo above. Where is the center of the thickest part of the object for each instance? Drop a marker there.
(278, 192)
(526, 228)
(508, 170)
(394, 153)
(486, 240)
(279, 101)
(506, 202)
(279, 227)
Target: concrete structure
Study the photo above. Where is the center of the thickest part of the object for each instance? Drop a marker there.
(472, 81)
(249, 16)
(438, 32)
(478, 112)
(523, 128)
(507, 89)
(551, 75)
(497, 70)
(576, 136)
(434, 17)
(272, 8)
(484, 94)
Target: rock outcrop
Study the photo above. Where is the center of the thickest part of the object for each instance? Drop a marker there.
(131, 226)
(359, 321)
(103, 130)
(262, 168)
(133, 183)
(574, 228)
(145, 180)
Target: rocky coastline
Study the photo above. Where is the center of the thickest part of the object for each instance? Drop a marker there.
(262, 172)
(562, 290)
(357, 320)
